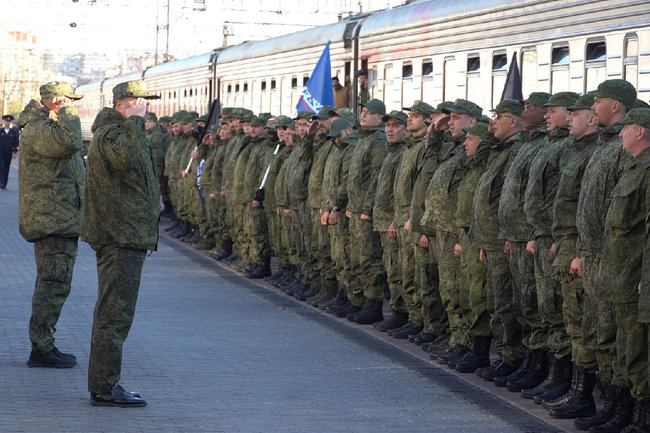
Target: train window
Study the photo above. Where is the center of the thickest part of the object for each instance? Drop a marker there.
(263, 85)
(294, 82)
(190, 92)
(595, 64)
(560, 69)
(407, 70)
(499, 71)
(473, 84)
(245, 87)
(174, 93)
(427, 68)
(528, 72)
(236, 88)
(449, 79)
(631, 60)
(185, 93)
(304, 80)
(272, 84)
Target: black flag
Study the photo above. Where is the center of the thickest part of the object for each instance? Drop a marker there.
(512, 88)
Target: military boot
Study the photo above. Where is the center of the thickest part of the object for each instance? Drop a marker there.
(483, 370)
(502, 381)
(403, 332)
(479, 355)
(173, 226)
(308, 292)
(562, 382)
(396, 320)
(280, 273)
(371, 312)
(324, 295)
(502, 370)
(190, 233)
(422, 338)
(462, 355)
(225, 252)
(535, 374)
(197, 236)
(347, 309)
(340, 300)
(582, 402)
(261, 271)
(439, 344)
(616, 412)
(206, 243)
(183, 230)
(640, 419)
(545, 384)
(450, 352)
(560, 400)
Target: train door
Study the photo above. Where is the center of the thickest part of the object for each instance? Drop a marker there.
(408, 91)
(427, 93)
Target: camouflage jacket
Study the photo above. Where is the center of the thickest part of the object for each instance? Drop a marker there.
(315, 184)
(565, 208)
(427, 165)
(543, 179)
(335, 176)
(405, 178)
(601, 175)
(473, 170)
(155, 137)
(173, 156)
(442, 193)
(514, 225)
(484, 230)
(258, 162)
(239, 171)
(121, 193)
(206, 174)
(234, 147)
(367, 157)
(216, 169)
(51, 174)
(383, 213)
(297, 182)
(625, 261)
(269, 189)
(280, 187)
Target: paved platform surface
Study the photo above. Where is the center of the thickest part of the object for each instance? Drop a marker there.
(214, 352)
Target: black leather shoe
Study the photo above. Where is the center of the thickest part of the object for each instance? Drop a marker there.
(53, 359)
(118, 397)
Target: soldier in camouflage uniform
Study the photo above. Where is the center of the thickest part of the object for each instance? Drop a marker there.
(50, 182)
(120, 223)
(507, 127)
(516, 232)
(158, 144)
(217, 206)
(439, 218)
(366, 293)
(625, 264)
(172, 172)
(165, 126)
(204, 183)
(383, 212)
(240, 200)
(543, 179)
(613, 99)
(583, 126)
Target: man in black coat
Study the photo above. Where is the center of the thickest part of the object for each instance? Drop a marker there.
(8, 145)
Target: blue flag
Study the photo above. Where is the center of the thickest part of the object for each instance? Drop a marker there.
(318, 91)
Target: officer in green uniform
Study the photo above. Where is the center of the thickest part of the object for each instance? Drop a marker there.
(583, 127)
(543, 179)
(217, 204)
(625, 263)
(204, 184)
(516, 232)
(50, 183)
(240, 201)
(120, 223)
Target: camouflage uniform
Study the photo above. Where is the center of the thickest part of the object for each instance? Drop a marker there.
(211, 227)
(286, 250)
(172, 171)
(365, 256)
(233, 148)
(50, 183)
(240, 202)
(120, 223)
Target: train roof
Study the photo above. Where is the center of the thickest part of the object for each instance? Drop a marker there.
(428, 12)
(181, 65)
(303, 39)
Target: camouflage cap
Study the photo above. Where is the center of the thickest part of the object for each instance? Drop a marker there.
(265, 116)
(247, 118)
(375, 106)
(421, 107)
(258, 121)
(152, 117)
(236, 113)
(177, 116)
(212, 128)
(132, 89)
(202, 118)
(641, 104)
(397, 116)
(619, 90)
(58, 88)
(638, 116)
(463, 106)
(324, 112)
(303, 115)
(479, 128)
(584, 102)
(345, 113)
(271, 123)
(441, 106)
(513, 106)
(194, 115)
(537, 98)
(186, 118)
(164, 119)
(562, 99)
(337, 126)
(285, 122)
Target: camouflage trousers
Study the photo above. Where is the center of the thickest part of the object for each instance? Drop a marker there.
(259, 247)
(448, 268)
(55, 257)
(432, 315)
(473, 289)
(164, 188)
(118, 273)
(576, 308)
(632, 350)
(524, 291)
(322, 264)
(549, 300)
(240, 235)
(503, 323)
(390, 256)
(409, 298)
(366, 260)
(301, 230)
(599, 335)
(216, 213)
(339, 242)
(287, 248)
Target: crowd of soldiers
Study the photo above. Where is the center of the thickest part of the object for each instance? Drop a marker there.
(527, 229)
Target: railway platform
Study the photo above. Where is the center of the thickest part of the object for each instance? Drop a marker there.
(212, 351)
